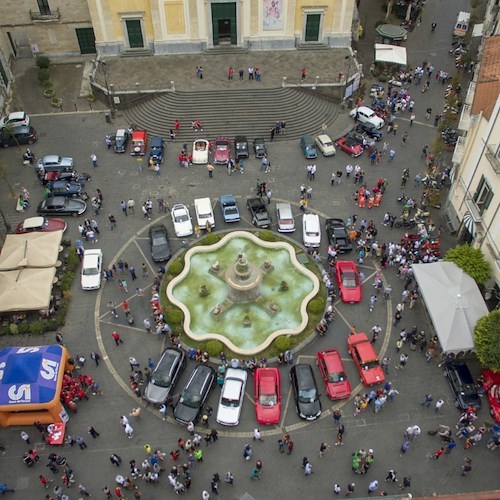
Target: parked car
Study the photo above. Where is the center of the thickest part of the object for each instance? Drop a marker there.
(222, 150)
(231, 397)
(204, 213)
(120, 140)
(365, 114)
(370, 130)
(333, 373)
(336, 233)
(258, 213)
(65, 188)
(194, 395)
(139, 141)
(240, 147)
(305, 391)
(462, 385)
(201, 148)
(491, 386)
(325, 145)
(308, 146)
(229, 207)
(348, 280)
(311, 230)
(365, 358)
(56, 162)
(350, 144)
(259, 147)
(91, 269)
(43, 224)
(160, 248)
(284, 214)
(15, 119)
(157, 148)
(19, 135)
(267, 395)
(59, 205)
(164, 378)
(181, 219)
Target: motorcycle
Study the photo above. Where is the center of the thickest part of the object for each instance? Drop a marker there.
(402, 198)
(409, 223)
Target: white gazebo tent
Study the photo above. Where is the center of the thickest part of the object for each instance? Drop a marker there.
(453, 301)
(390, 54)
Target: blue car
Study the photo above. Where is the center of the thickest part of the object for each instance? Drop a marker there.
(157, 151)
(308, 146)
(229, 207)
(65, 188)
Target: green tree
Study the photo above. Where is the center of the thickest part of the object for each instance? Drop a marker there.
(470, 260)
(487, 340)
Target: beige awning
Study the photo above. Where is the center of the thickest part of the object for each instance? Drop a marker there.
(390, 54)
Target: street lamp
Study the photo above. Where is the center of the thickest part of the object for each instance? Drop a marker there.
(104, 68)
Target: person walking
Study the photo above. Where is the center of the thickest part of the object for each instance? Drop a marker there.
(427, 400)
(257, 435)
(96, 357)
(45, 482)
(123, 206)
(340, 435)
(93, 158)
(83, 490)
(350, 489)
(115, 459)
(373, 301)
(229, 478)
(25, 437)
(129, 431)
(324, 447)
(93, 432)
(112, 221)
(117, 338)
(210, 169)
(147, 325)
(337, 415)
(372, 487)
(439, 405)
(81, 442)
(308, 469)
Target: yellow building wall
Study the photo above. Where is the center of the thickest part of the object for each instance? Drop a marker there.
(327, 7)
(117, 8)
(175, 18)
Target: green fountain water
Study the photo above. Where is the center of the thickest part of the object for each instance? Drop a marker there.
(247, 327)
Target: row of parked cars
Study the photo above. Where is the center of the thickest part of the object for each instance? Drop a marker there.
(267, 385)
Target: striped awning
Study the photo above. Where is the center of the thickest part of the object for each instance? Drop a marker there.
(468, 222)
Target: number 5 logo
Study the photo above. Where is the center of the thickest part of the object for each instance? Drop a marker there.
(49, 369)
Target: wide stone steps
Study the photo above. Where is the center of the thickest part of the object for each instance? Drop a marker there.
(234, 112)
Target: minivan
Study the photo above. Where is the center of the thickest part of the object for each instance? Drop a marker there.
(204, 212)
(308, 146)
(286, 222)
(311, 231)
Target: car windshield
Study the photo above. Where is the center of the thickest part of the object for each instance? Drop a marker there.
(200, 146)
(370, 364)
(232, 403)
(469, 390)
(159, 240)
(336, 377)
(307, 396)
(221, 146)
(230, 210)
(312, 233)
(90, 271)
(190, 400)
(327, 144)
(241, 145)
(161, 379)
(286, 221)
(349, 280)
(181, 218)
(268, 399)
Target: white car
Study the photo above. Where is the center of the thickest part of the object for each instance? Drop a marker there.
(201, 148)
(325, 145)
(182, 221)
(91, 269)
(364, 114)
(16, 119)
(231, 397)
(311, 231)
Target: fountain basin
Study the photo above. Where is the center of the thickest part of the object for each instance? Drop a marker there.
(246, 326)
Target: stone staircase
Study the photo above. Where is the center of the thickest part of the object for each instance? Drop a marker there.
(234, 112)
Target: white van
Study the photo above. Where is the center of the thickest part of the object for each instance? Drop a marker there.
(462, 24)
(284, 214)
(204, 212)
(311, 231)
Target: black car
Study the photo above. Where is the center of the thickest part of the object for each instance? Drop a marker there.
(305, 391)
(165, 376)
(259, 147)
(370, 130)
(462, 385)
(19, 135)
(65, 188)
(337, 235)
(60, 205)
(240, 147)
(120, 140)
(160, 249)
(157, 145)
(194, 395)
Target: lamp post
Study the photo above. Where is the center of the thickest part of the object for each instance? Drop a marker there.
(104, 68)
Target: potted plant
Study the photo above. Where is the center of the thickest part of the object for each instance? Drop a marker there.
(56, 102)
(49, 91)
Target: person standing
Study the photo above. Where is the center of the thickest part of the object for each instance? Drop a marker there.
(147, 325)
(59, 338)
(269, 195)
(81, 442)
(112, 221)
(372, 487)
(93, 432)
(324, 447)
(210, 169)
(25, 437)
(272, 131)
(123, 206)
(340, 435)
(115, 459)
(117, 338)
(96, 357)
(439, 405)
(93, 158)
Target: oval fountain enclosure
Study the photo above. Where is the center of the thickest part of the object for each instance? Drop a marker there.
(243, 291)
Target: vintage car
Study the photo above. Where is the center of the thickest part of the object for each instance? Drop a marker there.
(60, 205)
(65, 188)
(138, 143)
(364, 114)
(201, 148)
(229, 207)
(336, 233)
(351, 145)
(181, 219)
(222, 150)
(240, 147)
(158, 239)
(43, 224)
(325, 145)
(156, 148)
(259, 147)
(120, 140)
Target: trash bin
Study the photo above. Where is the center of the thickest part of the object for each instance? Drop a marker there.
(108, 117)
(350, 103)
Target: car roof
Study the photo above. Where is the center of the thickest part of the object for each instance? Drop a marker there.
(267, 382)
(51, 158)
(17, 115)
(227, 197)
(92, 251)
(33, 222)
(155, 141)
(311, 219)
(240, 138)
(121, 132)
(324, 138)
(138, 134)
(366, 110)
(346, 265)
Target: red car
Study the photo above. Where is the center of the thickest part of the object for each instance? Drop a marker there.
(333, 373)
(44, 224)
(267, 395)
(491, 386)
(221, 150)
(348, 280)
(365, 358)
(139, 142)
(351, 145)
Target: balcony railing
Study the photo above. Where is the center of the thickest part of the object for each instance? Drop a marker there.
(472, 208)
(470, 93)
(492, 155)
(36, 15)
(464, 123)
(458, 153)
